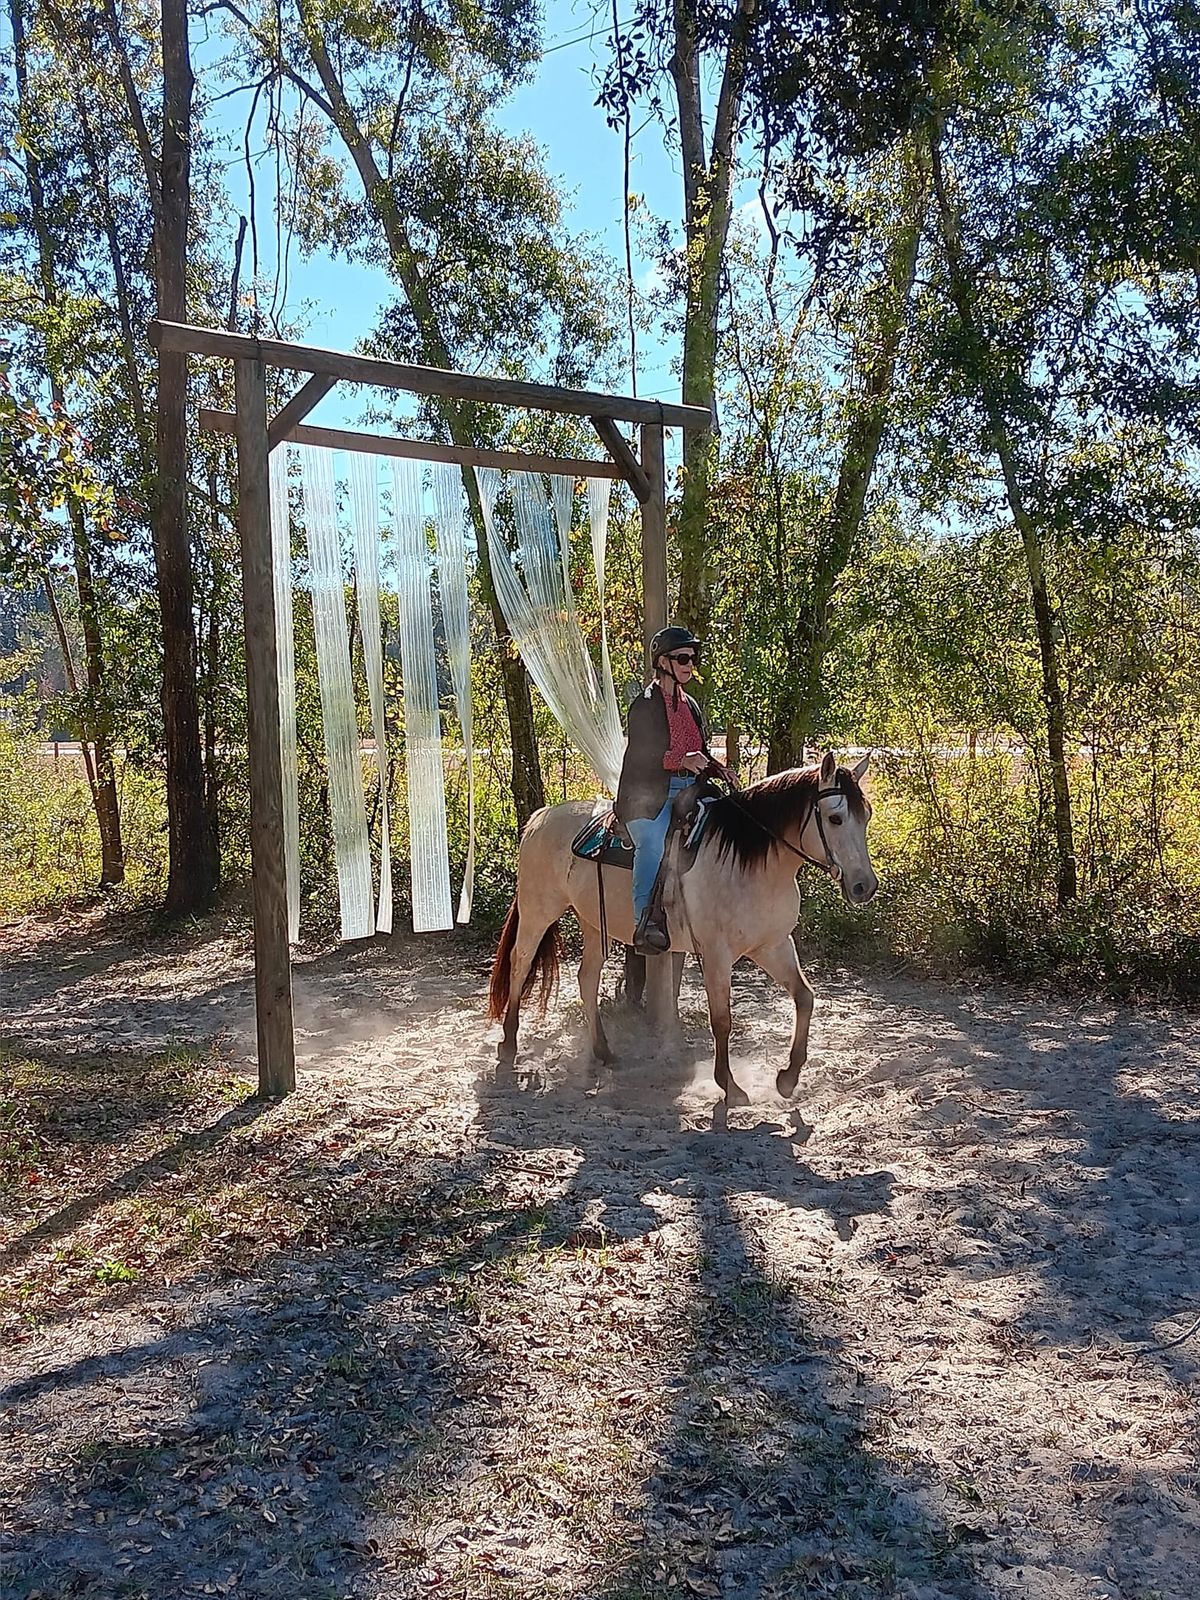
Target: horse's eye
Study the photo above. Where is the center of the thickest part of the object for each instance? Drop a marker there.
(836, 821)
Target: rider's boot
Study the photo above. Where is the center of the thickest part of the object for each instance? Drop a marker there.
(650, 937)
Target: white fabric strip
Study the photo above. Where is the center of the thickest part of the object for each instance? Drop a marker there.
(428, 843)
(285, 657)
(539, 608)
(364, 514)
(351, 846)
(452, 587)
(599, 492)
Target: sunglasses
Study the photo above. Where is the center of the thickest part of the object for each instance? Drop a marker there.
(684, 658)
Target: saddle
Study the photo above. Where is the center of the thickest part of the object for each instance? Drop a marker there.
(603, 839)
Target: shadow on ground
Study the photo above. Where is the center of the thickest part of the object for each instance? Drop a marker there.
(560, 1337)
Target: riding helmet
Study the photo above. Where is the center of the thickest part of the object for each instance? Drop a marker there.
(672, 638)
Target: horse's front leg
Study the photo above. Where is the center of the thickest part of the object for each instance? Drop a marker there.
(718, 969)
(781, 962)
(590, 969)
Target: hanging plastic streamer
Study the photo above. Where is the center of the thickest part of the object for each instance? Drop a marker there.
(539, 607)
(285, 656)
(599, 491)
(428, 843)
(452, 586)
(364, 516)
(351, 845)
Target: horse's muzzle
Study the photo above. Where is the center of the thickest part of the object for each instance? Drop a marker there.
(860, 891)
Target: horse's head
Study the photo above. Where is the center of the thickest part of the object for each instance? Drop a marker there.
(839, 820)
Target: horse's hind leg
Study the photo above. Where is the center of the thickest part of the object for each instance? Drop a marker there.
(718, 969)
(519, 962)
(781, 963)
(590, 969)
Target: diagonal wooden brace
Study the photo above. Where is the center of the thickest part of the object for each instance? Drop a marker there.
(298, 407)
(618, 448)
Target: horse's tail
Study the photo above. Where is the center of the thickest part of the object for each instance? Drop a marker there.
(543, 968)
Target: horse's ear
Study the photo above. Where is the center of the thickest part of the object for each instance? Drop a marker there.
(859, 771)
(828, 769)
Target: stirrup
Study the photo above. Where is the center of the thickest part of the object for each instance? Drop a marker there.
(650, 937)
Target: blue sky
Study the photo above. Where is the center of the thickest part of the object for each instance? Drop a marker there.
(583, 155)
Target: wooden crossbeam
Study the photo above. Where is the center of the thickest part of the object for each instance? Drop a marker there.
(298, 407)
(375, 444)
(423, 380)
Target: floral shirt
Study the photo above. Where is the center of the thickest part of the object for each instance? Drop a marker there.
(683, 732)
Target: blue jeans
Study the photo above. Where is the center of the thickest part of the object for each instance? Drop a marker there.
(649, 835)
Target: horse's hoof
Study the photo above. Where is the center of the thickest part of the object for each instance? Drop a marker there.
(787, 1080)
(506, 1054)
(735, 1095)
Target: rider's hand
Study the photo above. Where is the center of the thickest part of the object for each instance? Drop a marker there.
(694, 762)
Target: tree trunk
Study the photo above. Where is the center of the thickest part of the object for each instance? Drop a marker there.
(98, 714)
(528, 789)
(963, 296)
(70, 676)
(878, 346)
(130, 341)
(211, 633)
(194, 864)
(707, 189)
(94, 704)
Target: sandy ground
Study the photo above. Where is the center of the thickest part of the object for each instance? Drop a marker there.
(935, 1350)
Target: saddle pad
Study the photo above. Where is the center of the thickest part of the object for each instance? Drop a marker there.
(596, 841)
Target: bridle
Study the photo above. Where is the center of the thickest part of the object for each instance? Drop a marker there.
(829, 865)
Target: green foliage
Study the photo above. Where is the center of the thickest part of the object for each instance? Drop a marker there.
(962, 852)
(43, 470)
(113, 1272)
(1068, 137)
(49, 840)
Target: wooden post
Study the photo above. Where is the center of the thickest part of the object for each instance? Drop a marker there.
(272, 962)
(662, 1010)
(418, 449)
(654, 535)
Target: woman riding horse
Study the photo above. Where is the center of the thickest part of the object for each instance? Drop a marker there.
(667, 750)
(739, 893)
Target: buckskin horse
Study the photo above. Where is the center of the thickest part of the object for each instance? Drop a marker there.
(739, 897)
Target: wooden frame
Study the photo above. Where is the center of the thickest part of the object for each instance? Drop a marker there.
(375, 444)
(257, 436)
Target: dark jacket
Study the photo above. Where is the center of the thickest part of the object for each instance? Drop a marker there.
(645, 782)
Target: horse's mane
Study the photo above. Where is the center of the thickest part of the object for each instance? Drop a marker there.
(777, 802)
